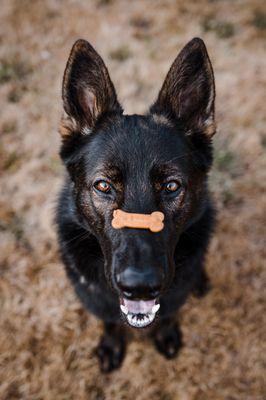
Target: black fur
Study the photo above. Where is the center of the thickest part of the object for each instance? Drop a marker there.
(137, 155)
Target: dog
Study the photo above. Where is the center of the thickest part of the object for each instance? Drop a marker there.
(157, 162)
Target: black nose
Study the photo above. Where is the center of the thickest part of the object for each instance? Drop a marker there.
(140, 284)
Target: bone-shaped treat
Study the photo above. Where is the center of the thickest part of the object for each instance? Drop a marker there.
(153, 221)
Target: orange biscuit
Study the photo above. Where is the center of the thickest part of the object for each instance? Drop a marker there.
(153, 221)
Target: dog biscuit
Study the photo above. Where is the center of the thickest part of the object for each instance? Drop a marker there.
(153, 221)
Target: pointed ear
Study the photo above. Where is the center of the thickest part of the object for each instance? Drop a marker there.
(188, 92)
(88, 92)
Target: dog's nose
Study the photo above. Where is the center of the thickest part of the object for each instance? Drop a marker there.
(140, 284)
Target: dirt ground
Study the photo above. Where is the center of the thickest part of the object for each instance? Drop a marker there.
(46, 338)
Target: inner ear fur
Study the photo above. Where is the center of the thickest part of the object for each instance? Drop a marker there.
(87, 92)
(188, 92)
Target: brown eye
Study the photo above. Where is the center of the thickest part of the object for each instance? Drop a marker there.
(172, 187)
(103, 186)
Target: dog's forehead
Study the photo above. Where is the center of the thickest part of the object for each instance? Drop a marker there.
(139, 141)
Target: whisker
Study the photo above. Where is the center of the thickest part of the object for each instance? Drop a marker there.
(82, 236)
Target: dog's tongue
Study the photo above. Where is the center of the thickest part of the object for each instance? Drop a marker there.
(139, 307)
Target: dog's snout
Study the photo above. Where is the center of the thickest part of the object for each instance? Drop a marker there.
(140, 266)
(143, 283)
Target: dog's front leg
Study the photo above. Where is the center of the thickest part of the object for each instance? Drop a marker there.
(203, 285)
(111, 349)
(167, 337)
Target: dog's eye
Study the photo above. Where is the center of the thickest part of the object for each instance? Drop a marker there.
(102, 186)
(172, 186)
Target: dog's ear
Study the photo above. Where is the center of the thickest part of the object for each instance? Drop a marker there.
(88, 92)
(188, 92)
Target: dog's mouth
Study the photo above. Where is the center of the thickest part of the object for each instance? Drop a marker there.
(141, 313)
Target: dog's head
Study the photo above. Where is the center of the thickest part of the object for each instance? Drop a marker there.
(139, 164)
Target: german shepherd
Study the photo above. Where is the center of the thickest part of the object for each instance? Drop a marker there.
(139, 164)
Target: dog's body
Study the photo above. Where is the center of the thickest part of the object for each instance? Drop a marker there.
(141, 164)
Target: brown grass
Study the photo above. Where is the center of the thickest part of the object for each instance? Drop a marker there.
(46, 338)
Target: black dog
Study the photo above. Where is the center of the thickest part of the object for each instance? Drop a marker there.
(140, 164)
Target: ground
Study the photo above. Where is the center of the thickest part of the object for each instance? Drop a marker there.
(47, 340)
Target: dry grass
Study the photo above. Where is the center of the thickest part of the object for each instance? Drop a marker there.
(47, 339)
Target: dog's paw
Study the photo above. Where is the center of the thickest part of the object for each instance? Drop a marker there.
(110, 352)
(168, 341)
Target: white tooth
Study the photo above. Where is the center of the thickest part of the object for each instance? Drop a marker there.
(124, 309)
(137, 322)
(155, 308)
